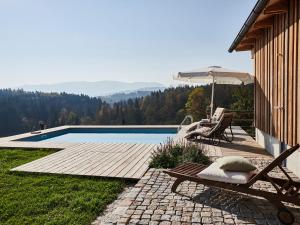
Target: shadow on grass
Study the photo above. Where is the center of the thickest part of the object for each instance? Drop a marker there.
(126, 181)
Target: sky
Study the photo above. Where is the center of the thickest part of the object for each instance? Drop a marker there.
(52, 41)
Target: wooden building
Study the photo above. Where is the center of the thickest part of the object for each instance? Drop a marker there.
(271, 33)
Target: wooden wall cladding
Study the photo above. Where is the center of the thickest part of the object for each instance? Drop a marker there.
(277, 83)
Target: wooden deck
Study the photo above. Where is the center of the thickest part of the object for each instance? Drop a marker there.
(121, 160)
(128, 161)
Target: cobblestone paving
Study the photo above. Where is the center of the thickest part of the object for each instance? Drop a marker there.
(150, 201)
(118, 208)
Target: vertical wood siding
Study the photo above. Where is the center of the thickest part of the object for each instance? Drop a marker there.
(277, 83)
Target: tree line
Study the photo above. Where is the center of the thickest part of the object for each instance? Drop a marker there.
(22, 111)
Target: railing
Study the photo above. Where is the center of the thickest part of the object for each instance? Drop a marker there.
(244, 119)
(190, 117)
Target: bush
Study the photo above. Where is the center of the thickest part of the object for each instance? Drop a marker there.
(169, 155)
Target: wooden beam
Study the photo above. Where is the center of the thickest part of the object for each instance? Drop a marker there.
(248, 41)
(265, 23)
(277, 8)
(244, 48)
(258, 33)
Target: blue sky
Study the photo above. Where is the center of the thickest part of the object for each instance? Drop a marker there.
(128, 40)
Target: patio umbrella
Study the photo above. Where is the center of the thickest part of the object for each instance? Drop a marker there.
(215, 75)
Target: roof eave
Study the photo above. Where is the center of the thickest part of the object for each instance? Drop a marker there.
(256, 11)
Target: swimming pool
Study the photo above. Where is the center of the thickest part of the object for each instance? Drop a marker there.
(106, 135)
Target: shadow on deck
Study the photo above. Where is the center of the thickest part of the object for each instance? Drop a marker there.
(242, 145)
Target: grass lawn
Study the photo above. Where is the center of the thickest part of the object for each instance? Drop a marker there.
(50, 199)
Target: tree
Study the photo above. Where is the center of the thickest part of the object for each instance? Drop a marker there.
(243, 98)
(72, 119)
(196, 104)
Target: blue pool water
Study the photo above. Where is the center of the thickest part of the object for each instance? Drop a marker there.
(107, 135)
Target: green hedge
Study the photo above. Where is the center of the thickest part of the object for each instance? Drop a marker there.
(170, 155)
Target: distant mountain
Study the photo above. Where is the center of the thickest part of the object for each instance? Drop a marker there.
(98, 88)
(123, 96)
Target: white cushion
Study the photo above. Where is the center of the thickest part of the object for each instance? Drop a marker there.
(235, 163)
(218, 114)
(205, 121)
(213, 172)
(191, 126)
(201, 130)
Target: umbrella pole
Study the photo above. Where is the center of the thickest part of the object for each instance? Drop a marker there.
(212, 98)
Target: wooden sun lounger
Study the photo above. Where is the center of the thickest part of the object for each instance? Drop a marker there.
(215, 117)
(217, 132)
(287, 190)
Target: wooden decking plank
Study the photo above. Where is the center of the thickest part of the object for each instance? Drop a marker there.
(57, 160)
(105, 156)
(92, 158)
(45, 163)
(49, 158)
(119, 161)
(99, 157)
(143, 161)
(76, 158)
(100, 169)
(138, 172)
(114, 162)
(108, 159)
(130, 162)
(125, 161)
(137, 161)
(90, 152)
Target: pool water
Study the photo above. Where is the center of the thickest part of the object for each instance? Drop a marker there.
(111, 138)
(112, 135)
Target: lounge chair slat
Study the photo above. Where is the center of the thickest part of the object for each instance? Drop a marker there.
(191, 170)
(181, 167)
(194, 172)
(186, 174)
(188, 168)
(188, 171)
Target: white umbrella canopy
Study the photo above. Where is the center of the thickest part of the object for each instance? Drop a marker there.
(219, 74)
(215, 75)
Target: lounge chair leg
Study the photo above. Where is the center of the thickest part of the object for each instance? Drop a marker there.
(283, 214)
(230, 136)
(176, 183)
(215, 140)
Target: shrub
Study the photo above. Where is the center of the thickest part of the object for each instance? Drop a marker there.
(170, 155)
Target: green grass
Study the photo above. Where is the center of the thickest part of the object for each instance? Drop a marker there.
(50, 199)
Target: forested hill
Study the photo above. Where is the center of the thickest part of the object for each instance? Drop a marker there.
(21, 111)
